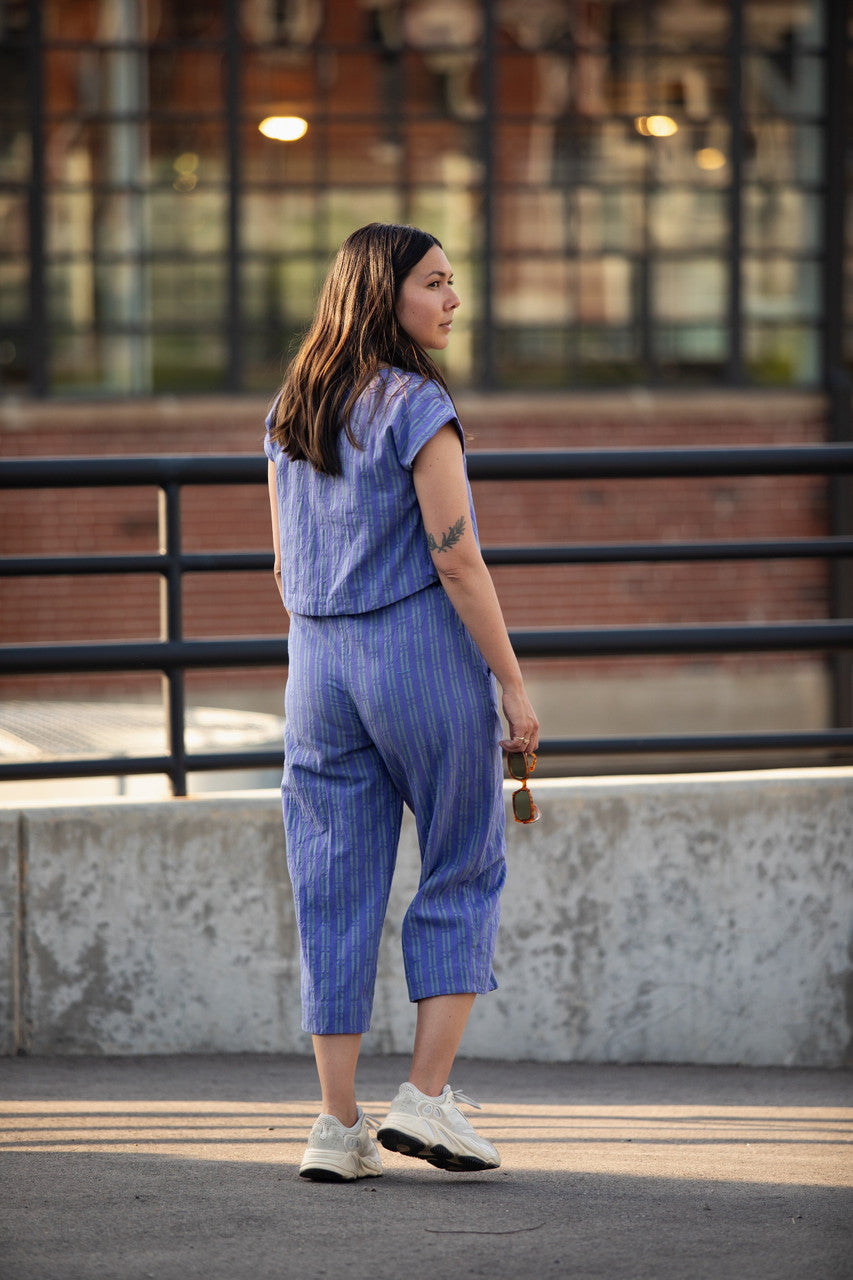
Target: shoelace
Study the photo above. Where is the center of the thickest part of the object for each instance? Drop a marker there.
(456, 1095)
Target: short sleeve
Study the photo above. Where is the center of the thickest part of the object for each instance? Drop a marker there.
(271, 448)
(424, 409)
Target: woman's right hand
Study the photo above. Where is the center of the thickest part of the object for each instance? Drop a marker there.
(522, 721)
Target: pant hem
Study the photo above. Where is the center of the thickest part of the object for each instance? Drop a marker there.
(458, 989)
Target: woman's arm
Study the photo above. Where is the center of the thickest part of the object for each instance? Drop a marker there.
(440, 485)
(275, 534)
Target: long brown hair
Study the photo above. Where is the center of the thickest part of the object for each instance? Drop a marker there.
(355, 333)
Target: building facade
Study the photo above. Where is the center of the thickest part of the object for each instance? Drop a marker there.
(647, 192)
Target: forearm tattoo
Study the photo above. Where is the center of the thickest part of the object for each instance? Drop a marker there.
(449, 539)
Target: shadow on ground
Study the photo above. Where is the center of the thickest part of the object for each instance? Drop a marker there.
(186, 1167)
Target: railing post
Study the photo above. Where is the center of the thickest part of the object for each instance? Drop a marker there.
(171, 628)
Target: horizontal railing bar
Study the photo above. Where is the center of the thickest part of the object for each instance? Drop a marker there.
(118, 766)
(660, 463)
(36, 770)
(498, 464)
(652, 743)
(71, 566)
(775, 637)
(192, 562)
(833, 739)
(72, 473)
(619, 552)
(570, 553)
(130, 655)
(553, 643)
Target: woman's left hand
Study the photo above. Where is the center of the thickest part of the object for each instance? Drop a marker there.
(522, 721)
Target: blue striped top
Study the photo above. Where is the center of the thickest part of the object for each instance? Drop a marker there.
(356, 542)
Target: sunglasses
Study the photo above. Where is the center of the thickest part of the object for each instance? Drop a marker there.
(520, 765)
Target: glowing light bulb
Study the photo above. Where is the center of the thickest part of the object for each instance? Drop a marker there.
(186, 162)
(661, 126)
(710, 158)
(656, 126)
(284, 128)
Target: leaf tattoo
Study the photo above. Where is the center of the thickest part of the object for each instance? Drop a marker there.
(448, 539)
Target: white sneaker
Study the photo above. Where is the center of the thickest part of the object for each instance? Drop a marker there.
(337, 1154)
(435, 1130)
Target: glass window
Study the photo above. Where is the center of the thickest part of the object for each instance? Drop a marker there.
(343, 211)
(780, 217)
(186, 216)
(608, 219)
(777, 288)
(683, 27)
(690, 352)
(14, 291)
(788, 84)
(279, 221)
(187, 294)
(686, 218)
(600, 173)
(188, 361)
(781, 354)
(14, 226)
(779, 152)
(534, 356)
(533, 219)
(690, 289)
(282, 291)
(536, 291)
(602, 356)
(778, 26)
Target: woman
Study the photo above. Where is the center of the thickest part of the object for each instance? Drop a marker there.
(396, 636)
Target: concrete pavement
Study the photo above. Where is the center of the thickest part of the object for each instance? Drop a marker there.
(168, 1167)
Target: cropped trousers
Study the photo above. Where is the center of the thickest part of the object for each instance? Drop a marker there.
(384, 708)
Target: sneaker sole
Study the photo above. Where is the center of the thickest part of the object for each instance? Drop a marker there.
(320, 1167)
(438, 1156)
(316, 1174)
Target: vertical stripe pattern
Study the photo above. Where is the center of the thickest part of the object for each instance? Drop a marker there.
(384, 708)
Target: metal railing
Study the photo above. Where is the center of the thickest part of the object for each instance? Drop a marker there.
(173, 655)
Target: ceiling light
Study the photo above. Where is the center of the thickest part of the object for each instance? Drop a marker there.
(710, 158)
(656, 126)
(284, 128)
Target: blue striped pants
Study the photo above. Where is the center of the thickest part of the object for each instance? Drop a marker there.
(382, 708)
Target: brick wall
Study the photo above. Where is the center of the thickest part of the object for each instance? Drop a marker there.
(237, 517)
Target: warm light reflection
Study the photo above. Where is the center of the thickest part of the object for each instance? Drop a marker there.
(186, 162)
(185, 166)
(284, 128)
(710, 158)
(656, 126)
(772, 1145)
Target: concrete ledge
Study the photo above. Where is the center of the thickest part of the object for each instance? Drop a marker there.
(704, 919)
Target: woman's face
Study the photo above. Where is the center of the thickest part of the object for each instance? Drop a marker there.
(427, 301)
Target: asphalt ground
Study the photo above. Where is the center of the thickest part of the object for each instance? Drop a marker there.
(185, 1167)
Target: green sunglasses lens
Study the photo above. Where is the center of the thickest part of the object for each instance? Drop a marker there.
(522, 806)
(517, 765)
